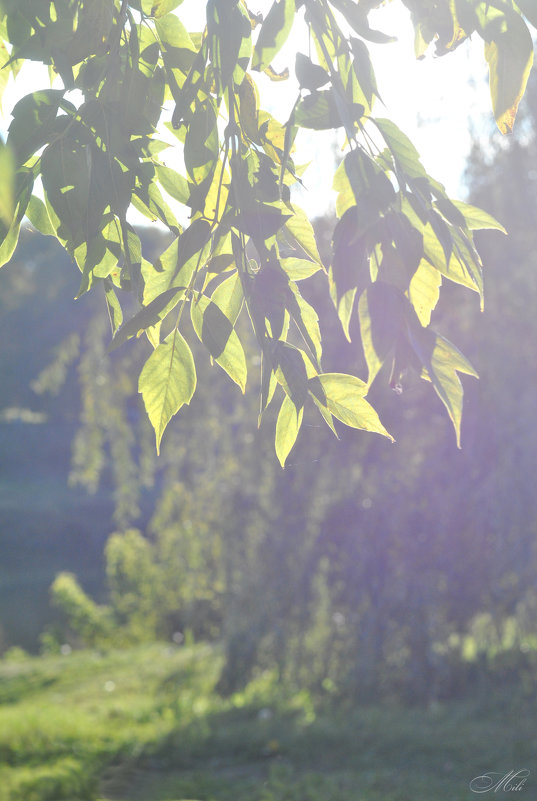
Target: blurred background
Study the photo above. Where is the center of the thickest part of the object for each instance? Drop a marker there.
(364, 572)
(405, 570)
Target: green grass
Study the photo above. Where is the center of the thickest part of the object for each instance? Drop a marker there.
(146, 725)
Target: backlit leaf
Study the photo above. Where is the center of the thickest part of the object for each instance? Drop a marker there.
(287, 428)
(477, 219)
(424, 291)
(148, 316)
(273, 34)
(298, 269)
(216, 332)
(38, 215)
(405, 154)
(344, 396)
(167, 381)
(380, 310)
(300, 228)
(158, 8)
(441, 361)
(7, 184)
(510, 58)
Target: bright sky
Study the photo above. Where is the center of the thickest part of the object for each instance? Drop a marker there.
(434, 101)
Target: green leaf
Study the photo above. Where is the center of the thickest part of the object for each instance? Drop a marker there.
(363, 75)
(178, 51)
(148, 316)
(229, 297)
(98, 256)
(463, 266)
(300, 228)
(261, 220)
(403, 151)
(167, 382)
(309, 75)
(10, 236)
(176, 265)
(380, 309)
(529, 9)
(65, 169)
(343, 395)
(115, 313)
(476, 219)
(424, 291)
(290, 369)
(287, 428)
(5, 71)
(7, 184)
(307, 322)
(158, 8)
(201, 143)
(173, 183)
(38, 215)
(318, 111)
(298, 269)
(34, 119)
(345, 305)
(360, 182)
(273, 34)
(441, 361)
(510, 58)
(356, 16)
(220, 338)
(149, 201)
(229, 35)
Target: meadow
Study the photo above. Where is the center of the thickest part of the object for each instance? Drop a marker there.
(146, 724)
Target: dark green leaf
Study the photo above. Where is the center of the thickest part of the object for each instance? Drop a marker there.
(173, 183)
(441, 361)
(403, 151)
(33, 122)
(510, 57)
(529, 9)
(273, 34)
(380, 310)
(309, 75)
(148, 316)
(216, 332)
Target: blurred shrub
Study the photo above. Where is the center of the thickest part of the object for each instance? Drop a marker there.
(90, 623)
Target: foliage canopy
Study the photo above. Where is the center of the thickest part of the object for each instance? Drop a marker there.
(119, 69)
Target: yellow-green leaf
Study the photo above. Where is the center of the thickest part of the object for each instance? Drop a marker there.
(441, 360)
(424, 291)
(167, 381)
(510, 58)
(158, 8)
(220, 338)
(7, 184)
(274, 31)
(299, 226)
(344, 397)
(287, 428)
(477, 219)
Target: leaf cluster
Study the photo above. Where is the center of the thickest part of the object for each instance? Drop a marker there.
(246, 245)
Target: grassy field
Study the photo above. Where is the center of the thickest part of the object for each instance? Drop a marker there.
(146, 725)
